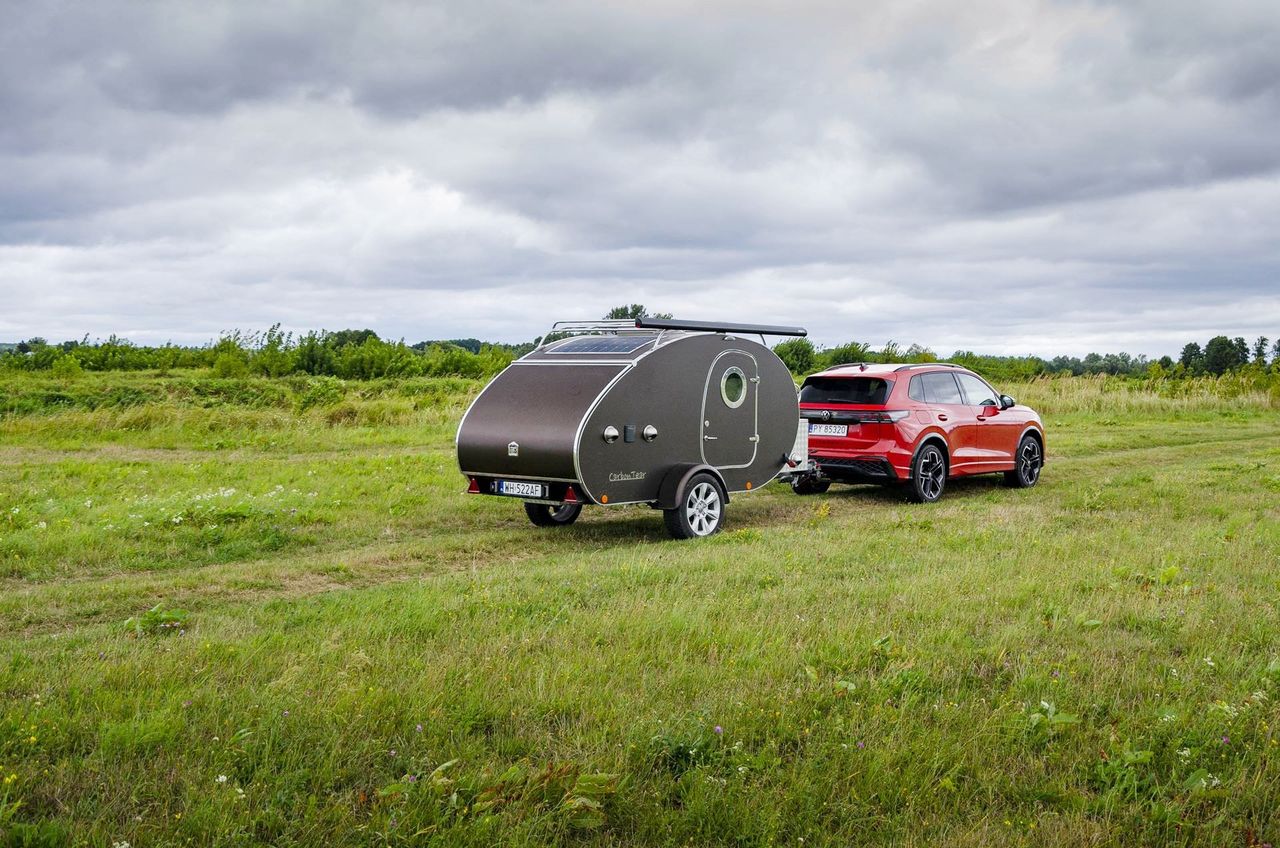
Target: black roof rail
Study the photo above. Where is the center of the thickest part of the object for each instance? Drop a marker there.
(718, 327)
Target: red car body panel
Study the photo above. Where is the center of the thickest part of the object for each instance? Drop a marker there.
(980, 438)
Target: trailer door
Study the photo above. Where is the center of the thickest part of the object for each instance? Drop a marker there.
(730, 411)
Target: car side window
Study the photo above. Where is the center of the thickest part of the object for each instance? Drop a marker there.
(915, 390)
(941, 388)
(976, 392)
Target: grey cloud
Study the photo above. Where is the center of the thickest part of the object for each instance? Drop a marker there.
(482, 168)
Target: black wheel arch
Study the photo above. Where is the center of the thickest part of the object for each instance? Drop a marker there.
(678, 477)
(934, 438)
(1036, 433)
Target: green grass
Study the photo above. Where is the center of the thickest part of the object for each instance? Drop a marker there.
(232, 617)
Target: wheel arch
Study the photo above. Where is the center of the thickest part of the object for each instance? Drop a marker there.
(931, 437)
(1038, 434)
(678, 477)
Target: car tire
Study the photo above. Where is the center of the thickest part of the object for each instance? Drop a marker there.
(550, 515)
(700, 512)
(809, 486)
(1027, 464)
(928, 474)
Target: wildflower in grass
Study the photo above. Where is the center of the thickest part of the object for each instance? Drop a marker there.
(222, 778)
(861, 745)
(419, 728)
(285, 713)
(43, 525)
(186, 703)
(391, 753)
(1209, 662)
(1226, 740)
(719, 730)
(10, 778)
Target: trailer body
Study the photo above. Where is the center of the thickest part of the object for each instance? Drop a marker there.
(625, 411)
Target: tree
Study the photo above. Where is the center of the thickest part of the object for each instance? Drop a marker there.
(634, 310)
(1166, 363)
(1221, 354)
(1242, 350)
(1275, 352)
(1192, 357)
(799, 355)
(1260, 350)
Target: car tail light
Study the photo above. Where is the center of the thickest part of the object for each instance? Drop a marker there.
(891, 417)
(570, 496)
(473, 487)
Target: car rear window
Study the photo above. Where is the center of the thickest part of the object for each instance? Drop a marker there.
(864, 390)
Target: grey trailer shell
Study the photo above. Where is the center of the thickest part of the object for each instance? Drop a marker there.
(545, 417)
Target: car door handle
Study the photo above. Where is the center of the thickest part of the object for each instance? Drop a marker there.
(942, 416)
(982, 418)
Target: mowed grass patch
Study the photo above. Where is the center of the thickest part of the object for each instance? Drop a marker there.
(1092, 661)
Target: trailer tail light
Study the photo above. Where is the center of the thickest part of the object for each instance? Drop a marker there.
(473, 487)
(570, 496)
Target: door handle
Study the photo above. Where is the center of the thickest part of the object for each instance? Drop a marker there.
(942, 416)
(711, 438)
(982, 418)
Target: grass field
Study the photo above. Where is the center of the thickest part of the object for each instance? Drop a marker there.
(264, 613)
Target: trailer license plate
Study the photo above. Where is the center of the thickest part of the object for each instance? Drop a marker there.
(521, 489)
(828, 429)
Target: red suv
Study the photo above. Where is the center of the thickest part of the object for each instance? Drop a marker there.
(914, 424)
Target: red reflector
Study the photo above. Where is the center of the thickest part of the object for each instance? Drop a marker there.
(474, 487)
(570, 496)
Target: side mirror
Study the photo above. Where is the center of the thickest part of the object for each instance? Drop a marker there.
(1006, 401)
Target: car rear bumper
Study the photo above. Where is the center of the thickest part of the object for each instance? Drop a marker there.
(856, 469)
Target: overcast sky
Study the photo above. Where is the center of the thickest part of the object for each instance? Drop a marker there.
(1008, 177)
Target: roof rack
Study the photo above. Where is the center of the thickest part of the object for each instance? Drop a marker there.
(620, 325)
(927, 365)
(718, 327)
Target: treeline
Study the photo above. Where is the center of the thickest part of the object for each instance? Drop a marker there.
(1220, 356)
(349, 354)
(363, 355)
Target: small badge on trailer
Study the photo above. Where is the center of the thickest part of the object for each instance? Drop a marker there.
(513, 449)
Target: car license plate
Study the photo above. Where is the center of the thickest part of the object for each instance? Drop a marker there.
(828, 429)
(521, 489)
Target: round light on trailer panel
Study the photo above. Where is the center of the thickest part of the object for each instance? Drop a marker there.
(748, 484)
(611, 434)
(604, 499)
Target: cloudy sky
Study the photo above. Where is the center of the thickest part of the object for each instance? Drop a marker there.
(1009, 177)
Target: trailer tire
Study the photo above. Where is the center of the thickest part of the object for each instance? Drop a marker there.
(700, 509)
(549, 515)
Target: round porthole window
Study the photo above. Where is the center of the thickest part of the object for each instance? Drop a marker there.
(733, 388)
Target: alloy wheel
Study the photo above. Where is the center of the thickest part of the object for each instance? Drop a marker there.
(702, 509)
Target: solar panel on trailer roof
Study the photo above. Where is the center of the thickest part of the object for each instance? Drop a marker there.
(601, 344)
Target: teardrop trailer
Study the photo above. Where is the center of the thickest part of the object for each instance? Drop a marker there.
(677, 415)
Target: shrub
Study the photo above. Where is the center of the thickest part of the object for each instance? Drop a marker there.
(230, 365)
(67, 368)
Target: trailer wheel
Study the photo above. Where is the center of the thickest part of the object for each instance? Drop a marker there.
(547, 515)
(701, 509)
